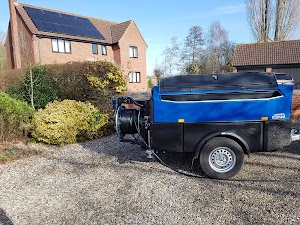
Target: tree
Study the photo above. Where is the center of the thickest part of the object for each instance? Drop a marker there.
(217, 38)
(219, 52)
(259, 18)
(193, 45)
(217, 35)
(150, 84)
(272, 19)
(158, 72)
(227, 52)
(3, 59)
(287, 19)
(196, 67)
(172, 57)
(35, 88)
(195, 58)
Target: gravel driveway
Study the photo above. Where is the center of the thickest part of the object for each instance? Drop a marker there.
(106, 182)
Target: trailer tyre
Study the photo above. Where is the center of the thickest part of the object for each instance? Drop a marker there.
(221, 158)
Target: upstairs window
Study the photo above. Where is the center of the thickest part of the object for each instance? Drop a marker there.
(134, 77)
(60, 45)
(133, 52)
(103, 49)
(95, 49)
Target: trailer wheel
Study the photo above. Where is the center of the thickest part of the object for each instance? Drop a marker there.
(221, 158)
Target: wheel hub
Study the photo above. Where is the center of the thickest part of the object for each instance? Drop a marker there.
(222, 159)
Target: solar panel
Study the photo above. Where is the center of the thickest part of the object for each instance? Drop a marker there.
(61, 23)
(40, 25)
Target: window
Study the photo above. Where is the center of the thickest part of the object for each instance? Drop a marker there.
(60, 45)
(103, 49)
(133, 52)
(67, 46)
(95, 49)
(134, 77)
(54, 45)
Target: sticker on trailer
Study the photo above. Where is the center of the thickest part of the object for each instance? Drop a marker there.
(278, 116)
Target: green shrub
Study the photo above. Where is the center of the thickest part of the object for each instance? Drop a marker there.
(150, 84)
(15, 117)
(96, 82)
(35, 88)
(67, 122)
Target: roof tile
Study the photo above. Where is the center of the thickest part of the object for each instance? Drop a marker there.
(118, 30)
(269, 53)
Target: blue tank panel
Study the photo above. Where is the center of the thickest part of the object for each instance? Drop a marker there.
(167, 108)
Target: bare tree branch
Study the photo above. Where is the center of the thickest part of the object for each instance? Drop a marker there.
(287, 19)
(219, 51)
(172, 57)
(259, 14)
(273, 19)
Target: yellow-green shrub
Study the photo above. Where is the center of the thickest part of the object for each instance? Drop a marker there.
(96, 82)
(67, 122)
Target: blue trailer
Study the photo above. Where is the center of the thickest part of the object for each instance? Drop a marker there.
(217, 117)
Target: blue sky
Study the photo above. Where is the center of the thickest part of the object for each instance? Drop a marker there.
(157, 20)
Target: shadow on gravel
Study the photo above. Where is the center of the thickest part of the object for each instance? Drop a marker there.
(293, 148)
(124, 152)
(4, 220)
(128, 153)
(249, 185)
(269, 154)
(289, 167)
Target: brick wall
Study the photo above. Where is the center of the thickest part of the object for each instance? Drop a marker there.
(80, 51)
(25, 43)
(132, 37)
(296, 107)
(9, 49)
(19, 41)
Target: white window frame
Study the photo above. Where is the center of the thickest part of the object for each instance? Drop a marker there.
(54, 45)
(61, 46)
(67, 46)
(133, 52)
(95, 47)
(134, 77)
(104, 49)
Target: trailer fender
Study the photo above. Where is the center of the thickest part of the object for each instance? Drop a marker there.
(231, 135)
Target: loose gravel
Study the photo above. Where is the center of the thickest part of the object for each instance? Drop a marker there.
(107, 182)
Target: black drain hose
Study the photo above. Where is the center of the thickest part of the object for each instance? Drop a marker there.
(204, 177)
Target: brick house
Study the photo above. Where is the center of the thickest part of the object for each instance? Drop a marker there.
(280, 57)
(44, 36)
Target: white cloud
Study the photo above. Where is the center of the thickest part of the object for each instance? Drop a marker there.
(229, 9)
(226, 10)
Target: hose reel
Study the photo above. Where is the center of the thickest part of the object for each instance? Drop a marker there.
(127, 121)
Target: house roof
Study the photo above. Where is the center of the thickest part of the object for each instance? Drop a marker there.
(269, 53)
(111, 31)
(118, 30)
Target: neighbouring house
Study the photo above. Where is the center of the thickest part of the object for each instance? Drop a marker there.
(278, 57)
(45, 36)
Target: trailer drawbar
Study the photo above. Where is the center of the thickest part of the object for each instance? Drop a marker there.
(217, 117)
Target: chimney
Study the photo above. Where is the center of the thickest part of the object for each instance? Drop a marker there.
(14, 34)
